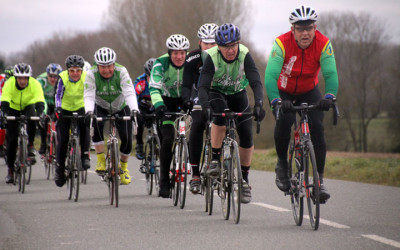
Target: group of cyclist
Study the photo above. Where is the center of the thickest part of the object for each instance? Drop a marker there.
(211, 78)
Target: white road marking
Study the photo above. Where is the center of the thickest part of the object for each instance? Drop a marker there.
(382, 240)
(279, 209)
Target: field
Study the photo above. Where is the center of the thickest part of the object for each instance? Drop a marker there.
(374, 168)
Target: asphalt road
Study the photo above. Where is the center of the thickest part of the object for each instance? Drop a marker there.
(358, 216)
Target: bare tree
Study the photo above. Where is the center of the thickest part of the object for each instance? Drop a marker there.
(358, 41)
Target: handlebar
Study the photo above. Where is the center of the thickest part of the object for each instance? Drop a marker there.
(22, 117)
(231, 115)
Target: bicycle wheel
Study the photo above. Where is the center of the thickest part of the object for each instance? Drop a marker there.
(28, 169)
(70, 179)
(22, 165)
(83, 176)
(53, 154)
(174, 177)
(155, 162)
(312, 186)
(209, 195)
(146, 162)
(205, 181)
(115, 172)
(235, 182)
(296, 196)
(47, 166)
(183, 169)
(76, 169)
(224, 189)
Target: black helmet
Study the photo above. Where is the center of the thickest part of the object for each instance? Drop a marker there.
(149, 65)
(74, 61)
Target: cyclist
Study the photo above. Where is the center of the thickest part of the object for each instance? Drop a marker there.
(109, 90)
(21, 95)
(69, 99)
(165, 90)
(144, 102)
(227, 70)
(193, 65)
(48, 81)
(8, 72)
(291, 77)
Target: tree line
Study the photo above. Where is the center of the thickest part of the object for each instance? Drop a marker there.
(369, 79)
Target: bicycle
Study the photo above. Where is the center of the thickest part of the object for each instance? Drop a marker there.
(111, 176)
(22, 165)
(180, 160)
(150, 165)
(229, 183)
(74, 163)
(303, 173)
(207, 182)
(49, 158)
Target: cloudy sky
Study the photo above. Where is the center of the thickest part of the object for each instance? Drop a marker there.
(26, 21)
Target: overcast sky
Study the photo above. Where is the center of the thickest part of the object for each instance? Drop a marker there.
(25, 21)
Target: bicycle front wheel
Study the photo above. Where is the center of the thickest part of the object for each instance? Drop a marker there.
(296, 195)
(76, 169)
(174, 176)
(28, 168)
(115, 171)
(312, 186)
(146, 164)
(209, 195)
(224, 189)
(236, 182)
(183, 169)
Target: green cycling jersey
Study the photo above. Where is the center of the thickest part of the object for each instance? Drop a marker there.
(48, 90)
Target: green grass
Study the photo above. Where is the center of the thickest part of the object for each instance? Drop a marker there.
(373, 170)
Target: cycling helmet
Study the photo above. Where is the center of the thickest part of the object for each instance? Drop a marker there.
(227, 33)
(9, 72)
(53, 69)
(86, 66)
(177, 42)
(105, 56)
(303, 13)
(149, 65)
(74, 61)
(23, 70)
(207, 32)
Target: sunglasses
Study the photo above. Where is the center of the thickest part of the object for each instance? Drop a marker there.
(74, 70)
(302, 29)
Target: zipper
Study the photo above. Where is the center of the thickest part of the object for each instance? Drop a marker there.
(301, 70)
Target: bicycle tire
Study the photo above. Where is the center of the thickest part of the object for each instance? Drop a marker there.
(312, 186)
(235, 182)
(116, 172)
(76, 169)
(70, 179)
(53, 154)
(46, 166)
(296, 199)
(174, 188)
(22, 161)
(83, 176)
(146, 163)
(209, 195)
(184, 154)
(224, 188)
(156, 163)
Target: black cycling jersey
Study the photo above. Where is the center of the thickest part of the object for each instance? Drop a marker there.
(191, 74)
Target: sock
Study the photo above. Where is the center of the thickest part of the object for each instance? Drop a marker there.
(195, 169)
(124, 165)
(245, 173)
(216, 153)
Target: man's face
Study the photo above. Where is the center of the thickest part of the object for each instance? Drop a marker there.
(22, 81)
(106, 71)
(75, 73)
(304, 35)
(178, 57)
(229, 51)
(206, 46)
(52, 79)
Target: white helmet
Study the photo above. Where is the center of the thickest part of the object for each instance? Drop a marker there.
(23, 70)
(207, 32)
(86, 66)
(177, 42)
(105, 56)
(303, 13)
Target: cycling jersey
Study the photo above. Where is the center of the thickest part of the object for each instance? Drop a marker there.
(19, 99)
(295, 70)
(69, 94)
(229, 78)
(142, 92)
(165, 80)
(191, 74)
(48, 90)
(111, 94)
